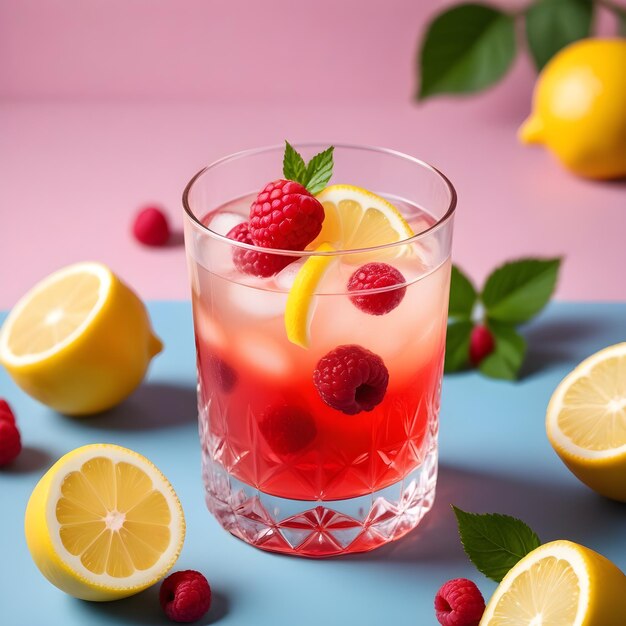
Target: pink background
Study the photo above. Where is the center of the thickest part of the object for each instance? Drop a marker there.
(109, 104)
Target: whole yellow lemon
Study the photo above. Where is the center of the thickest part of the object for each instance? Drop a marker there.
(579, 108)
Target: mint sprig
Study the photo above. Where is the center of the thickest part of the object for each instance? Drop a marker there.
(513, 294)
(314, 175)
(493, 542)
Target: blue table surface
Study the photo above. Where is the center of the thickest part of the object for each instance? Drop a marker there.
(495, 457)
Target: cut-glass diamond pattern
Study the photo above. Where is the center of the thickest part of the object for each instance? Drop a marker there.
(405, 465)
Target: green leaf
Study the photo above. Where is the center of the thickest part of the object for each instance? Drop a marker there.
(493, 542)
(553, 24)
(457, 346)
(517, 291)
(462, 295)
(466, 49)
(507, 357)
(294, 167)
(319, 170)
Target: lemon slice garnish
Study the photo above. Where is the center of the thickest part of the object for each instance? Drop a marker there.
(356, 218)
(104, 523)
(299, 307)
(586, 421)
(79, 341)
(562, 584)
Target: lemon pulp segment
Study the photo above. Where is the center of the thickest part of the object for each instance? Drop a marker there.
(549, 589)
(55, 312)
(593, 411)
(112, 518)
(355, 218)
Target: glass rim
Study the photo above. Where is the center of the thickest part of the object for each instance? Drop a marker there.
(442, 221)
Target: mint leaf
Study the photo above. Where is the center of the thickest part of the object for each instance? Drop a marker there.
(517, 291)
(462, 295)
(553, 24)
(466, 49)
(319, 170)
(493, 542)
(507, 357)
(313, 176)
(294, 167)
(457, 346)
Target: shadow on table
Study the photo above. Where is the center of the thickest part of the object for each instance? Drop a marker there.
(30, 460)
(153, 405)
(554, 511)
(553, 341)
(144, 608)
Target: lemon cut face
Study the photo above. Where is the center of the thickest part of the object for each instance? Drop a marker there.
(586, 421)
(104, 523)
(587, 415)
(355, 218)
(561, 584)
(55, 313)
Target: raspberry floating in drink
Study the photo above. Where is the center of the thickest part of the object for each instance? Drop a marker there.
(285, 215)
(351, 379)
(287, 429)
(380, 278)
(255, 262)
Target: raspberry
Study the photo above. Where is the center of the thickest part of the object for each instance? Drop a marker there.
(221, 373)
(377, 276)
(482, 344)
(287, 429)
(185, 596)
(351, 379)
(10, 442)
(6, 414)
(285, 215)
(459, 603)
(151, 227)
(253, 262)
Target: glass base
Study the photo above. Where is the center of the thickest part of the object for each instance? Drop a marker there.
(321, 528)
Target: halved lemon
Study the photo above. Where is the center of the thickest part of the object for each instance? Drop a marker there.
(103, 523)
(354, 218)
(586, 421)
(561, 584)
(79, 341)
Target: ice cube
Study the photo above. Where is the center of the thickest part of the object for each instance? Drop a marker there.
(223, 223)
(284, 279)
(208, 329)
(263, 353)
(257, 302)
